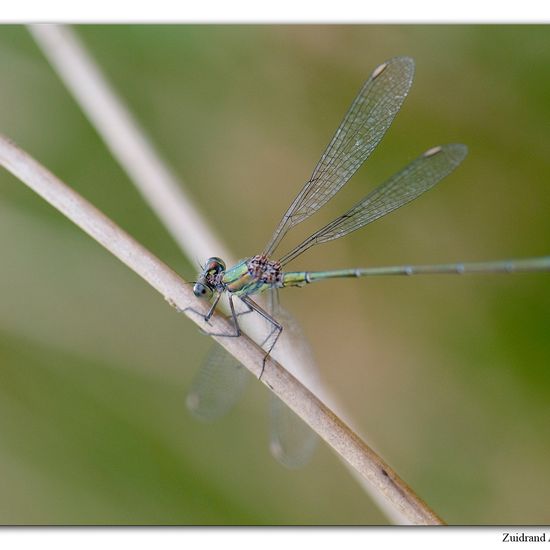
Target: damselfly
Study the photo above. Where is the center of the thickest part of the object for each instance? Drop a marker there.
(362, 128)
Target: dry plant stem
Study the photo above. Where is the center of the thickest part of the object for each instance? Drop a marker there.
(128, 143)
(136, 154)
(319, 417)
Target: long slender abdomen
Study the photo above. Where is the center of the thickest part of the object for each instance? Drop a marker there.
(300, 278)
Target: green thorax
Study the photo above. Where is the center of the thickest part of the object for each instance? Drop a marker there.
(251, 276)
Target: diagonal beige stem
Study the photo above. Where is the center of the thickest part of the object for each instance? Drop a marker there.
(317, 415)
(129, 145)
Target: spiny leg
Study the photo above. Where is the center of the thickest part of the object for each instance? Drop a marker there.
(212, 307)
(276, 329)
(248, 309)
(211, 312)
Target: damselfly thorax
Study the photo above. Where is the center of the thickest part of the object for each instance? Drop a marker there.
(253, 275)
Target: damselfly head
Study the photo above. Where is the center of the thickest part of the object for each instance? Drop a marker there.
(208, 278)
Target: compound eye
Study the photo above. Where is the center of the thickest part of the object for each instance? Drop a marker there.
(215, 265)
(202, 291)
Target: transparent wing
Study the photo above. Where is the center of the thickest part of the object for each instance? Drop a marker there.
(292, 442)
(217, 386)
(416, 178)
(220, 383)
(364, 125)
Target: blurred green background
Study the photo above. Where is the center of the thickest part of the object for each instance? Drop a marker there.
(448, 377)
